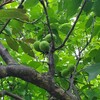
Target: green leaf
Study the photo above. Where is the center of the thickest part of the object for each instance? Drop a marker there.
(93, 71)
(95, 54)
(12, 43)
(8, 30)
(29, 40)
(88, 6)
(34, 64)
(27, 49)
(52, 15)
(73, 6)
(56, 58)
(36, 12)
(97, 7)
(89, 22)
(70, 5)
(64, 28)
(96, 30)
(17, 26)
(13, 13)
(62, 5)
(26, 59)
(64, 83)
(31, 3)
(86, 60)
(58, 40)
(92, 94)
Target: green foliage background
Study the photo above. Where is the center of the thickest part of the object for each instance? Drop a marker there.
(29, 25)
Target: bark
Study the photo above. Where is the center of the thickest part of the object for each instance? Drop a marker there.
(16, 97)
(28, 74)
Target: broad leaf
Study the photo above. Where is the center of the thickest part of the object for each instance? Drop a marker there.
(36, 12)
(97, 7)
(13, 13)
(73, 6)
(30, 40)
(64, 28)
(96, 30)
(93, 71)
(31, 3)
(88, 6)
(89, 22)
(12, 43)
(17, 26)
(27, 49)
(95, 55)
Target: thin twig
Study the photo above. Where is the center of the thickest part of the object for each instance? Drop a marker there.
(47, 3)
(4, 3)
(6, 56)
(8, 21)
(88, 42)
(33, 22)
(79, 56)
(47, 18)
(20, 5)
(72, 28)
(3, 93)
(51, 51)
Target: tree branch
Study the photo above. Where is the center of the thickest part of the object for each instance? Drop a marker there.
(80, 54)
(46, 13)
(20, 5)
(2, 93)
(51, 51)
(6, 56)
(33, 22)
(86, 45)
(7, 22)
(72, 28)
(30, 75)
(47, 3)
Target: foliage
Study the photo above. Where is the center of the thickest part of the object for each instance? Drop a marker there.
(81, 48)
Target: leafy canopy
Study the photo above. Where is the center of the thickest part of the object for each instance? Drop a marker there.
(28, 24)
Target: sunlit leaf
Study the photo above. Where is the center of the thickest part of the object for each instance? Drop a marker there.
(36, 12)
(64, 28)
(31, 3)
